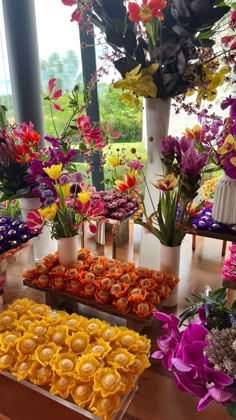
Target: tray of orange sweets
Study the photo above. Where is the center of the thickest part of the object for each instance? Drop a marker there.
(106, 284)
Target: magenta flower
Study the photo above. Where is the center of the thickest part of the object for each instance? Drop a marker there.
(136, 165)
(192, 161)
(230, 165)
(54, 95)
(35, 221)
(168, 146)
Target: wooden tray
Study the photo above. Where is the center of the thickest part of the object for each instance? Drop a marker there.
(91, 302)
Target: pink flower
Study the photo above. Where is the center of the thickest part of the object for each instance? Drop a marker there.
(54, 95)
(35, 221)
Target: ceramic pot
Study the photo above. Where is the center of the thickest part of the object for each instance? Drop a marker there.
(67, 250)
(169, 262)
(224, 202)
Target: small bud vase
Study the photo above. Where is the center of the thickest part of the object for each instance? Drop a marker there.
(169, 263)
(67, 250)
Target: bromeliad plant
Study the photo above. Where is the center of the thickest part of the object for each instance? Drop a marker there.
(66, 204)
(199, 348)
(171, 218)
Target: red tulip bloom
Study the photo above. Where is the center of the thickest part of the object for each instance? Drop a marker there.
(146, 11)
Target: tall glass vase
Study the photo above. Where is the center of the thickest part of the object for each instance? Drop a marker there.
(155, 126)
(224, 202)
(67, 250)
(169, 262)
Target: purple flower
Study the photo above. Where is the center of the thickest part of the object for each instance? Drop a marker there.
(135, 164)
(185, 143)
(64, 179)
(46, 194)
(77, 177)
(232, 103)
(54, 142)
(192, 161)
(230, 165)
(167, 145)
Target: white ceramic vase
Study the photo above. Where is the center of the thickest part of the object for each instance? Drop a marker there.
(27, 205)
(169, 262)
(155, 126)
(68, 250)
(224, 202)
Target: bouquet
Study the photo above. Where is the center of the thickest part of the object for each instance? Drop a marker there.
(198, 347)
(172, 216)
(163, 48)
(18, 147)
(66, 203)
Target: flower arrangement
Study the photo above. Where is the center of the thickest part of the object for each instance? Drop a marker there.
(126, 287)
(162, 48)
(229, 268)
(172, 216)
(66, 203)
(18, 146)
(201, 352)
(71, 356)
(217, 135)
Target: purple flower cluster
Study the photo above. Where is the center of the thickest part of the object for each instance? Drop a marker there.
(182, 352)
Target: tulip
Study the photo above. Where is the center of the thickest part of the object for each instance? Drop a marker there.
(54, 171)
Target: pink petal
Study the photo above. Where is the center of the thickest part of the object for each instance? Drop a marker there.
(57, 94)
(51, 84)
(57, 107)
(69, 2)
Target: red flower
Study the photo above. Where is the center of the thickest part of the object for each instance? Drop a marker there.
(35, 221)
(146, 11)
(28, 135)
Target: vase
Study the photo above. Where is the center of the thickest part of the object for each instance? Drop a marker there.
(224, 202)
(42, 243)
(67, 250)
(156, 117)
(169, 263)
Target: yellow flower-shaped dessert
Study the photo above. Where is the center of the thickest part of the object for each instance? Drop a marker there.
(82, 393)
(104, 407)
(99, 348)
(26, 345)
(64, 364)
(140, 363)
(126, 338)
(45, 353)
(7, 360)
(142, 345)
(61, 385)
(39, 328)
(40, 375)
(120, 359)
(127, 379)
(57, 334)
(20, 306)
(73, 322)
(86, 367)
(26, 320)
(55, 317)
(109, 333)
(78, 342)
(107, 381)
(92, 326)
(21, 369)
(7, 320)
(8, 339)
(39, 309)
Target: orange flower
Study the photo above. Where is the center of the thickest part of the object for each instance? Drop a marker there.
(82, 393)
(168, 183)
(146, 11)
(130, 180)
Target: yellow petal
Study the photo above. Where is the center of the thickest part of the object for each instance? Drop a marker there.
(54, 171)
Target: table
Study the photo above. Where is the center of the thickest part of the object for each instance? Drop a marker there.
(230, 237)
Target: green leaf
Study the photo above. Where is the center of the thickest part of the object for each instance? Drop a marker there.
(231, 408)
(234, 305)
(219, 294)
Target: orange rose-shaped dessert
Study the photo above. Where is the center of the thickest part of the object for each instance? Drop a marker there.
(140, 363)
(104, 283)
(119, 290)
(61, 385)
(87, 277)
(102, 296)
(143, 309)
(128, 278)
(158, 276)
(83, 254)
(147, 283)
(21, 369)
(153, 297)
(73, 285)
(26, 345)
(122, 304)
(72, 273)
(171, 280)
(20, 306)
(57, 283)
(78, 342)
(58, 271)
(8, 320)
(109, 333)
(98, 269)
(43, 280)
(86, 367)
(64, 364)
(120, 359)
(112, 262)
(107, 381)
(87, 290)
(40, 375)
(92, 326)
(163, 290)
(104, 407)
(142, 272)
(114, 273)
(82, 393)
(30, 274)
(137, 294)
(57, 334)
(8, 340)
(99, 348)
(127, 267)
(45, 353)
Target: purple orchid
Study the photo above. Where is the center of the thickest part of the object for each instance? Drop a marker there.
(232, 103)
(230, 165)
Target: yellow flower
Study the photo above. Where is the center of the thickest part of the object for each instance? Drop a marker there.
(39, 328)
(99, 348)
(83, 197)
(127, 379)
(20, 306)
(57, 334)
(26, 320)
(8, 360)
(78, 342)
(7, 320)
(65, 188)
(86, 367)
(49, 212)
(120, 359)
(26, 345)
(104, 407)
(54, 171)
(73, 321)
(39, 309)
(114, 161)
(64, 364)
(107, 381)
(21, 369)
(45, 353)
(92, 326)
(109, 333)
(82, 393)
(126, 338)
(8, 340)
(129, 99)
(228, 146)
